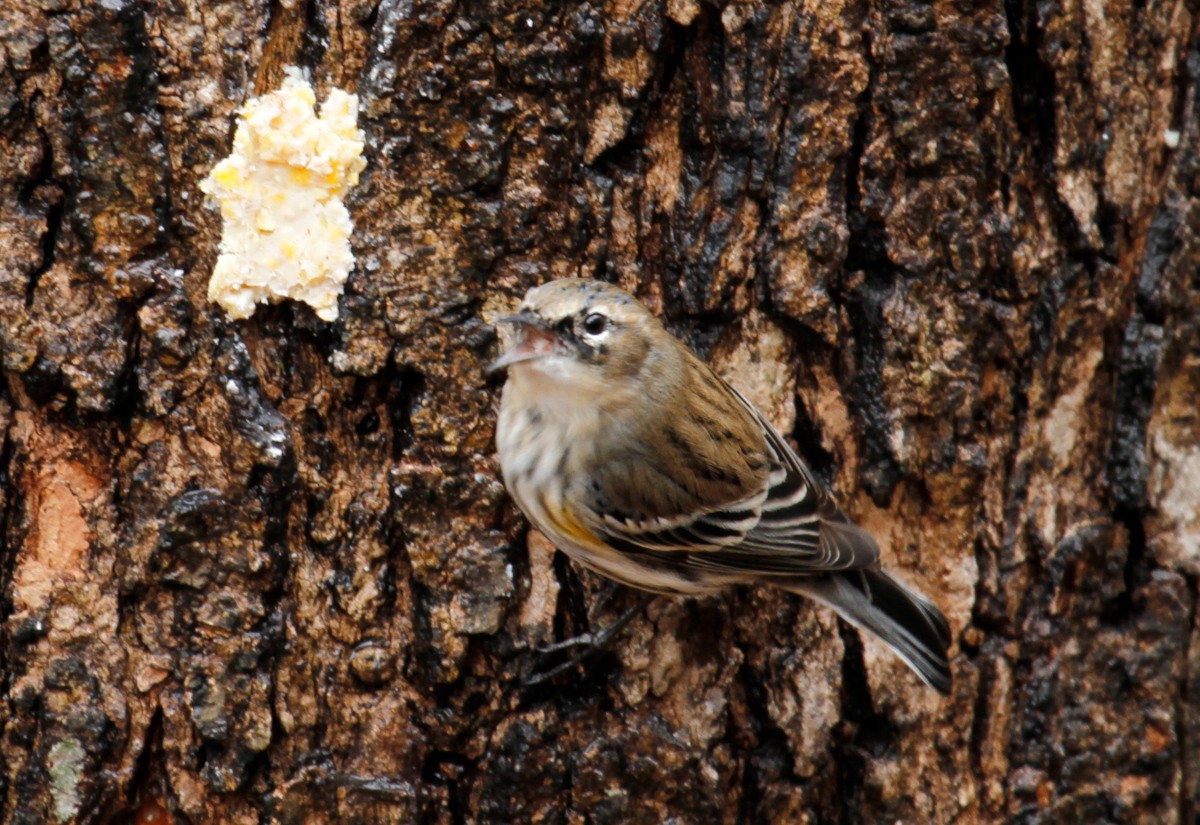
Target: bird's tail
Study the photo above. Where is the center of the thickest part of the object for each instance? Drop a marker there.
(909, 623)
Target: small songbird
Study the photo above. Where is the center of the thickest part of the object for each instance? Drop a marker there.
(639, 462)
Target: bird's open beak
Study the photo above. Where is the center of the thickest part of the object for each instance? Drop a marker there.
(533, 340)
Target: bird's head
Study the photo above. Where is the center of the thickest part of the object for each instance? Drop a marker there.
(580, 333)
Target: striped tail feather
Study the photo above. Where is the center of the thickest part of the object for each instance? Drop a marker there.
(906, 621)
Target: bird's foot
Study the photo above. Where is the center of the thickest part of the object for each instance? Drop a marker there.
(583, 647)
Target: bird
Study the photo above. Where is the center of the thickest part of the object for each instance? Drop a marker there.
(633, 457)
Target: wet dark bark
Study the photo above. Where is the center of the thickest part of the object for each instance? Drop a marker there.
(264, 571)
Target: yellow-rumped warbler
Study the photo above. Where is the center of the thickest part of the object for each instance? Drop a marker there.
(638, 461)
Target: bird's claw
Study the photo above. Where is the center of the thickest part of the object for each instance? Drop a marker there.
(586, 646)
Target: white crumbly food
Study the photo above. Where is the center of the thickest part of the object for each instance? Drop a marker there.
(286, 231)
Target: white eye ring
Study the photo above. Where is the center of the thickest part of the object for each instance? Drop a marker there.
(595, 324)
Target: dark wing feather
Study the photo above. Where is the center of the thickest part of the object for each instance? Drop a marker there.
(801, 529)
(707, 532)
(690, 481)
(791, 527)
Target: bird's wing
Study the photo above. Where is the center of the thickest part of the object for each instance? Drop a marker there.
(786, 524)
(693, 532)
(801, 529)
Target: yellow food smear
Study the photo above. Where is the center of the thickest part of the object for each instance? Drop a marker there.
(286, 232)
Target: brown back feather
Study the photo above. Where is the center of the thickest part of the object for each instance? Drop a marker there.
(708, 454)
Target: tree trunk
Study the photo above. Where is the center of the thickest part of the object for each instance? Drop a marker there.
(265, 571)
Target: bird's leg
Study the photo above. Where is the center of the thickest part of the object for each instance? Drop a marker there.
(600, 637)
(322, 777)
(586, 644)
(584, 639)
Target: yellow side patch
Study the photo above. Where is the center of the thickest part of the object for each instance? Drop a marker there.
(568, 525)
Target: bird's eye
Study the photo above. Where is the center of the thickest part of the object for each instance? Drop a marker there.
(595, 324)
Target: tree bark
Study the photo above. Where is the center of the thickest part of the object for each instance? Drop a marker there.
(265, 570)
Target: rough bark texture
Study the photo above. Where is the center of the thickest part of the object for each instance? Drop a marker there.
(265, 571)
